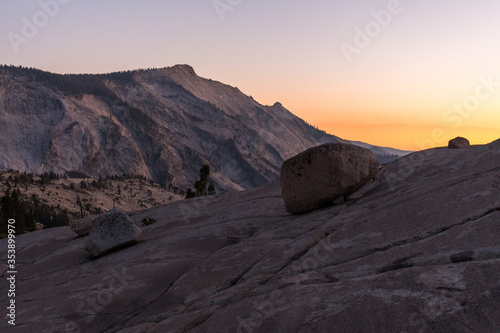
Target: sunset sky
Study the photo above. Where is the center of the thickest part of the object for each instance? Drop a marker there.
(406, 74)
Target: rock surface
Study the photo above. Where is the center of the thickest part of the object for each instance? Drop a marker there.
(316, 177)
(459, 143)
(83, 226)
(415, 251)
(111, 230)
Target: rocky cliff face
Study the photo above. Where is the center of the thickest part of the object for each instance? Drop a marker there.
(415, 250)
(162, 124)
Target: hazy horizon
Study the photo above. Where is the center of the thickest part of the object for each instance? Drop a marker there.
(404, 74)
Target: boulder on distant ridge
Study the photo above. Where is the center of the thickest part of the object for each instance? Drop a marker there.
(319, 175)
(111, 230)
(459, 143)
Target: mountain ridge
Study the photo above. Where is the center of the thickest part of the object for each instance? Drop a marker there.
(162, 124)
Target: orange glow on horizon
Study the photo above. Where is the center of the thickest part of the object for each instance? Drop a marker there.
(414, 123)
(409, 137)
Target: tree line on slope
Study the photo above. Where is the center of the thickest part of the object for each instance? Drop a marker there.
(27, 213)
(29, 210)
(72, 84)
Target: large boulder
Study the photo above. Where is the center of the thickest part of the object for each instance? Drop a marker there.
(111, 230)
(83, 226)
(319, 175)
(459, 143)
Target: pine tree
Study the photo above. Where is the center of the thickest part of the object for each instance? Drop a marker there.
(79, 203)
(211, 188)
(204, 173)
(198, 186)
(13, 207)
(190, 194)
(6, 205)
(5, 212)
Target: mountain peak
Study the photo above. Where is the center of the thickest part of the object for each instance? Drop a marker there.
(184, 68)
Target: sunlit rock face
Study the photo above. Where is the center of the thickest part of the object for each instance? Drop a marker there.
(163, 124)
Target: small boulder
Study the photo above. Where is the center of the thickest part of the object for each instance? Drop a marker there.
(316, 177)
(111, 230)
(459, 143)
(83, 226)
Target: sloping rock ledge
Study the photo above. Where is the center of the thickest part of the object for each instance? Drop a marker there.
(416, 250)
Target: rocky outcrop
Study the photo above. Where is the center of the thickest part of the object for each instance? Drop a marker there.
(111, 230)
(83, 226)
(415, 251)
(316, 177)
(459, 143)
